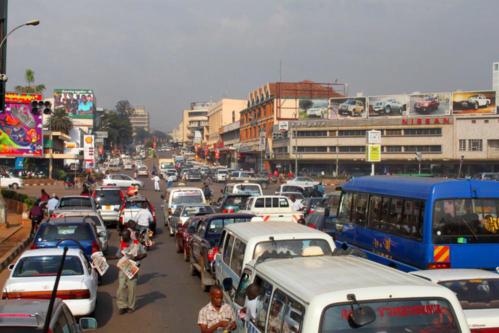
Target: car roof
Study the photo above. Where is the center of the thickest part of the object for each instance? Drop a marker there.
(181, 189)
(70, 220)
(262, 230)
(108, 188)
(310, 277)
(25, 312)
(227, 215)
(76, 196)
(78, 212)
(138, 197)
(50, 252)
(437, 275)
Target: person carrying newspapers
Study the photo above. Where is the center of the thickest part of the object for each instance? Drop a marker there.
(130, 254)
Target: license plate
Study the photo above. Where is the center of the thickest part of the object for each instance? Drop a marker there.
(108, 207)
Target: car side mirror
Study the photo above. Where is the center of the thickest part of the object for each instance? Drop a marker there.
(11, 267)
(361, 317)
(87, 324)
(227, 284)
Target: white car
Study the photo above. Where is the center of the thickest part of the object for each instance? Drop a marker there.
(121, 180)
(128, 166)
(33, 276)
(8, 180)
(478, 101)
(142, 171)
(302, 181)
(477, 290)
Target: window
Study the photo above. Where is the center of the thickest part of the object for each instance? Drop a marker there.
(423, 149)
(393, 132)
(462, 145)
(259, 203)
(266, 292)
(283, 203)
(320, 149)
(412, 219)
(244, 282)
(345, 207)
(422, 131)
(236, 262)
(268, 202)
(359, 209)
(352, 149)
(475, 145)
(286, 315)
(202, 230)
(393, 149)
(229, 244)
(496, 67)
(62, 326)
(310, 133)
(352, 133)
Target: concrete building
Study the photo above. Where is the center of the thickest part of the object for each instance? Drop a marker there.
(195, 122)
(228, 152)
(177, 132)
(495, 79)
(270, 104)
(139, 119)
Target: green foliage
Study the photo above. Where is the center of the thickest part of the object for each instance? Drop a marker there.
(60, 174)
(13, 195)
(59, 121)
(124, 108)
(29, 77)
(141, 135)
(118, 127)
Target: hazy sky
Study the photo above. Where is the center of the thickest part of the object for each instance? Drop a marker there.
(164, 54)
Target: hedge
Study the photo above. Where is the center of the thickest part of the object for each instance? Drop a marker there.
(13, 195)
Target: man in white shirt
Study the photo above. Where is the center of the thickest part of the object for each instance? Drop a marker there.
(296, 205)
(144, 219)
(52, 204)
(156, 180)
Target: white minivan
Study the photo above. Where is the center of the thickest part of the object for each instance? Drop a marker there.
(221, 175)
(275, 208)
(343, 294)
(242, 242)
(180, 196)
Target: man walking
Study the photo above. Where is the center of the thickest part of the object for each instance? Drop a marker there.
(52, 204)
(126, 294)
(215, 316)
(156, 180)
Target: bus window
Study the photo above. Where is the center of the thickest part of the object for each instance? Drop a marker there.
(359, 211)
(345, 209)
(375, 211)
(466, 221)
(412, 219)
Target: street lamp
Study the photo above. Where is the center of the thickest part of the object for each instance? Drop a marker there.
(32, 23)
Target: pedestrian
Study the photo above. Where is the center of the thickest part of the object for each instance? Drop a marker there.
(321, 188)
(169, 181)
(296, 205)
(44, 197)
(207, 191)
(144, 220)
(216, 316)
(36, 216)
(52, 204)
(135, 173)
(276, 173)
(126, 294)
(156, 180)
(85, 191)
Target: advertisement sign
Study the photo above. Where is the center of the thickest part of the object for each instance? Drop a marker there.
(88, 150)
(20, 130)
(348, 107)
(474, 102)
(283, 126)
(313, 108)
(373, 153)
(431, 104)
(374, 137)
(388, 105)
(78, 103)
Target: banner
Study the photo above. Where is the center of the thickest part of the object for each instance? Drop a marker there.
(348, 107)
(432, 104)
(20, 130)
(78, 103)
(474, 102)
(313, 108)
(388, 105)
(88, 150)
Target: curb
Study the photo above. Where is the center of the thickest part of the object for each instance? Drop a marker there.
(12, 254)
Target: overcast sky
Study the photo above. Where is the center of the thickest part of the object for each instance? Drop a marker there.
(163, 54)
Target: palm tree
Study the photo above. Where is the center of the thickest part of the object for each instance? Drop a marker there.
(29, 77)
(60, 122)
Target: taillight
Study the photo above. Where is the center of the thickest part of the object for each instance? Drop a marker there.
(225, 211)
(485, 330)
(121, 219)
(312, 225)
(34, 246)
(95, 247)
(62, 294)
(311, 211)
(438, 265)
(212, 253)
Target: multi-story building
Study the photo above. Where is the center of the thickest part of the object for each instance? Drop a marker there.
(270, 104)
(230, 145)
(495, 79)
(139, 119)
(195, 121)
(177, 132)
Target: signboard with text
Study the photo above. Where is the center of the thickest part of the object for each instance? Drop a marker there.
(89, 150)
(373, 153)
(79, 104)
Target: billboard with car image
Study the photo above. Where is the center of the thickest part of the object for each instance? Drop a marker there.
(474, 102)
(313, 108)
(388, 105)
(431, 104)
(352, 107)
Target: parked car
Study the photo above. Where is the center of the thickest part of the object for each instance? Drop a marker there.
(232, 203)
(477, 290)
(426, 105)
(248, 176)
(389, 106)
(72, 232)
(302, 181)
(121, 180)
(183, 212)
(29, 315)
(142, 171)
(221, 175)
(170, 172)
(205, 240)
(193, 175)
(109, 200)
(351, 107)
(33, 276)
(10, 181)
(132, 207)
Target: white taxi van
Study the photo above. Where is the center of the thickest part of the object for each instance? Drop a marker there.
(242, 242)
(343, 294)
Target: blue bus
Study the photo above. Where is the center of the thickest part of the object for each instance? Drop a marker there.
(413, 223)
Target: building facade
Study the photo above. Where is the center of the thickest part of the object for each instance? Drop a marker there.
(139, 119)
(195, 122)
(221, 113)
(495, 78)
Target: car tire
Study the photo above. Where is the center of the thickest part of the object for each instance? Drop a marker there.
(186, 256)
(14, 186)
(204, 287)
(388, 109)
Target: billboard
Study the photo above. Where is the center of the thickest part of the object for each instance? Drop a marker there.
(432, 104)
(388, 105)
(313, 108)
(78, 103)
(20, 130)
(88, 150)
(474, 102)
(341, 107)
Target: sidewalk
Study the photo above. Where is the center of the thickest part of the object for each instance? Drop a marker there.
(13, 238)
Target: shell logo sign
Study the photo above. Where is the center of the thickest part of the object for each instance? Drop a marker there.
(89, 139)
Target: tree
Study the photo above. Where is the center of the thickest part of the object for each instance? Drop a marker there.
(118, 127)
(30, 88)
(141, 135)
(124, 108)
(161, 136)
(60, 122)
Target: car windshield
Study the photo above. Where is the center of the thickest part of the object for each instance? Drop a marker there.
(398, 316)
(190, 211)
(187, 197)
(222, 172)
(47, 266)
(108, 197)
(475, 293)
(461, 221)
(292, 248)
(75, 202)
(236, 201)
(53, 232)
(249, 189)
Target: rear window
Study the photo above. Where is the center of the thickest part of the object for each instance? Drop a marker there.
(185, 197)
(75, 202)
(77, 232)
(249, 189)
(108, 197)
(190, 211)
(216, 225)
(236, 201)
(292, 248)
(475, 293)
(47, 266)
(434, 315)
(137, 205)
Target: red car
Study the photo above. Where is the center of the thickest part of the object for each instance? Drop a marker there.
(184, 235)
(426, 105)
